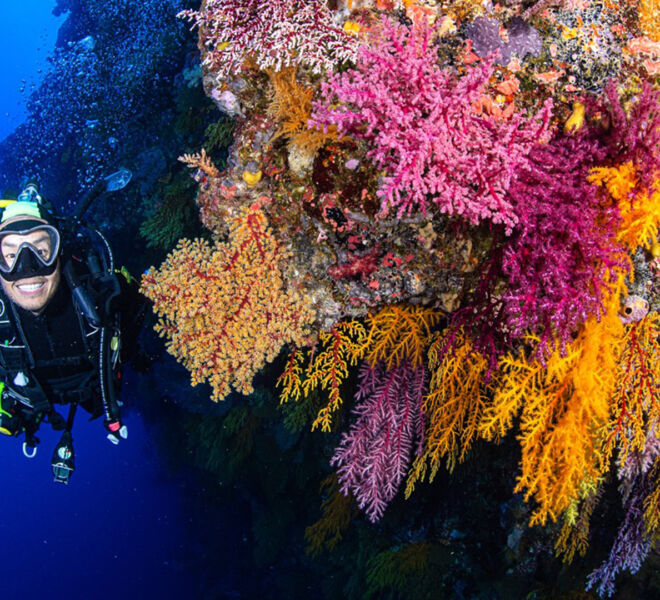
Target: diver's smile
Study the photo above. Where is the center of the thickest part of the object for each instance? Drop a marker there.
(30, 287)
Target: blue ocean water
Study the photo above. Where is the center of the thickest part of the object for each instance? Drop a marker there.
(124, 526)
(28, 31)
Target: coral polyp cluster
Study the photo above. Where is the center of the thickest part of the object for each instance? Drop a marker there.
(459, 202)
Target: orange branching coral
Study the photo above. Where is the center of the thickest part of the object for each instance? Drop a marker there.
(649, 18)
(398, 333)
(224, 308)
(636, 403)
(341, 347)
(291, 106)
(291, 378)
(201, 161)
(564, 415)
(640, 212)
(338, 512)
(456, 399)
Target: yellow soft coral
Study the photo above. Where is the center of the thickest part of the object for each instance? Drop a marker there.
(574, 534)
(453, 406)
(640, 210)
(636, 403)
(565, 407)
(338, 512)
(340, 348)
(398, 333)
(224, 308)
(649, 18)
(291, 105)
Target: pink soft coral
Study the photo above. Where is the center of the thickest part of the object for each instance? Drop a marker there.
(420, 128)
(374, 455)
(551, 273)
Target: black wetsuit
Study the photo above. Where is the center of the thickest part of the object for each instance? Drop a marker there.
(64, 362)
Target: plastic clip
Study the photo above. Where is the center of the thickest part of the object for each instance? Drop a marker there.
(28, 454)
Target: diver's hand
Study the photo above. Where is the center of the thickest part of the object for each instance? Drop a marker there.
(116, 431)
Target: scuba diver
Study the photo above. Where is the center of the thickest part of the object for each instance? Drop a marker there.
(62, 308)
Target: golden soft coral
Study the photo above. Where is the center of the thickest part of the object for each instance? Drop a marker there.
(223, 307)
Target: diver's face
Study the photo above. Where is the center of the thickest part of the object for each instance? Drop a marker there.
(31, 293)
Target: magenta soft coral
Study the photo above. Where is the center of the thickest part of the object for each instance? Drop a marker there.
(558, 260)
(550, 274)
(420, 128)
(633, 135)
(373, 457)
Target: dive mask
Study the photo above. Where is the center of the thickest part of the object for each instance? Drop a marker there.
(28, 248)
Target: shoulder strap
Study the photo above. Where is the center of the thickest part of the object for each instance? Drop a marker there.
(12, 348)
(18, 362)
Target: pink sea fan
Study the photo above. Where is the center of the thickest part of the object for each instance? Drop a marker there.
(275, 33)
(418, 122)
(373, 457)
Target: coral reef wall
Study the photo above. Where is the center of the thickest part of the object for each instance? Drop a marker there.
(465, 201)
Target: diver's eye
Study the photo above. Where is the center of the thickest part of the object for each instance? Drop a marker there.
(627, 310)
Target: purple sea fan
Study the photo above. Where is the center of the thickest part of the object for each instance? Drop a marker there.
(420, 128)
(275, 33)
(634, 135)
(373, 457)
(632, 544)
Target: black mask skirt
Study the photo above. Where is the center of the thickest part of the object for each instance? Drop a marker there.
(28, 264)
(30, 260)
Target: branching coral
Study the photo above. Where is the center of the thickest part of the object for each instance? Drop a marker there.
(275, 33)
(374, 455)
(557, 263)
(433, 148)
(201, 161)
(338, 512)
(639, 209)
(341, 347)
(291, 106)
(636, 403)
(453, 406)
(632, 543)
(565, 411)
(223, 307)
(554, 270)
(633, 132)
(400, 333)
